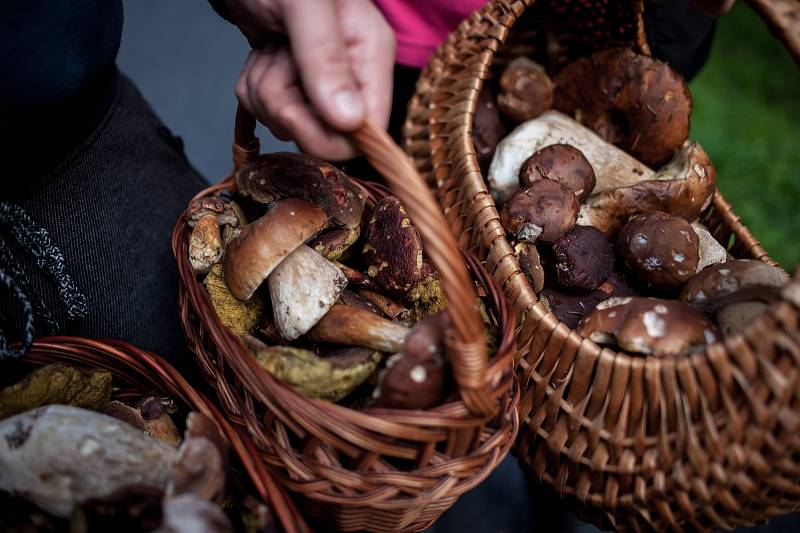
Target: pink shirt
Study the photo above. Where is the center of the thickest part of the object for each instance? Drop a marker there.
(420, 26)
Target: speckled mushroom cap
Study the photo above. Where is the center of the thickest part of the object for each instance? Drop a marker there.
(660, 249)
(583, 258)
(631, 100)
(225, 213)
(543, 211)
(393, 248)
(648, 326)
(526, 91)
(281, 175)
(264, 243)
(562, 163)
(684, 187)
(734, 281)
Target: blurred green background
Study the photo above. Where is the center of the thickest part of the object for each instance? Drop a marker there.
(747, 116)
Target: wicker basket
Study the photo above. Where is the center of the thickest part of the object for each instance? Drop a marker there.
(697, 444)
(137, 372)
(374, 469)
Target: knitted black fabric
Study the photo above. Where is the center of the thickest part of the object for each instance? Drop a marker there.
(110, 208)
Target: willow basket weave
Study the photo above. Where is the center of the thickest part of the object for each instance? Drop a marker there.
(373, 469)
(700, 443)
(135, 373)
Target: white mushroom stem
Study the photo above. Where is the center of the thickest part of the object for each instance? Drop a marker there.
(358, 327)
(59, 456)
(613, 167)
(303, 287)
(711, 251)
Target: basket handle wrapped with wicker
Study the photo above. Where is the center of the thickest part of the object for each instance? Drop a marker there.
(379, 469)
(643, 442)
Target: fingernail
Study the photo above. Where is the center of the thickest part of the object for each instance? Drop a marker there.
(348, 105)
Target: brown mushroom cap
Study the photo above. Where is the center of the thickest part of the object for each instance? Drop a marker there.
(583, 259)
(649, 326)
(333, 243)
(487, 129)
(526, 90)
(530, 264)
(225, 213)
(631, 100)
(544, 211)
(562, 163)
(264, 243)
(281, 175)
(569, 307)
(661, 249)
(684, 187)
(733, 281)
(393, 248)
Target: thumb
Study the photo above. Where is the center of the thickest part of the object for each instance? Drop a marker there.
(323, 63)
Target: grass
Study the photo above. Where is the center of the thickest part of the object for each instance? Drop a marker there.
(747, 116)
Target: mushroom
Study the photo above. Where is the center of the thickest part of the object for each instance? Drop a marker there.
(415, 377)
(530, 264)
(543, 211)
(735, 291)
(711, 252)
(157, 422)
(124, 412)
(526, 90)
(199, 425)
(613, 168)
(273, 177)
(648, 326)
(583, 259)
(240, 317)
(264, 243)
(224, 212)
(356, 278)
(333, 243)
(303, 287)
(684, 187)
(205, 245)
(562, 163)
(487, 129)
(661, 249)
(59, 456)
(56, 383)
(631, 100)
(206, 215)
(189, 514)
(390, 309)
(353, 299)
(353, 326)
(570, 307)
(328, 378)
(198, 469)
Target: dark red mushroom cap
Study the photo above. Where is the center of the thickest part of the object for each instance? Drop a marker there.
(562, 163)
(544, 211)
(487, 128)
(583, 259)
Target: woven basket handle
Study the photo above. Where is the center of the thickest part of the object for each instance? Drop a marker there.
(466, 346)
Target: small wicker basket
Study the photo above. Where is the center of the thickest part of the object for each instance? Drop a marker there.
(138, 372)
(700, 443)
(374, 469)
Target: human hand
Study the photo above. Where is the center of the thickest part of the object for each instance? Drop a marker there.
(318, 68)
(713, 8)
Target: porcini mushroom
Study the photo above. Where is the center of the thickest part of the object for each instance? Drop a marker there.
(684, 187)
(280, 175)
(303, 287)
(724, 290)
(613, 167)
(264, 243)
(155, 410)
(543, 211)
(530, 264)
(631, 100)
(660, 249)
(224, 212)
(240, 317)
(711, 252)
(487, 129)
(648, 326)
(198, 469)
(569, 307)
(353, 326)
(526, 90)
(58, 456)
(562, 163)
(205, 245)
(415, 377)
(333, 243)
(328, 378)
(583, 259)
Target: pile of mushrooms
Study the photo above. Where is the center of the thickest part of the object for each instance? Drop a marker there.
(614, 248)
(71, 453)
(329, 294)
